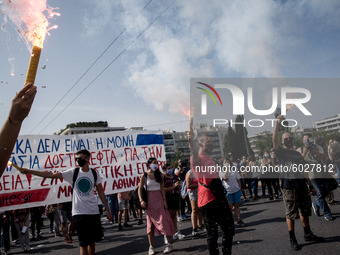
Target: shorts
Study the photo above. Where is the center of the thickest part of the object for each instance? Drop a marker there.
(193, 194)
(89, 228)
(235, 198)
(64, 216)
(172, 201)
(123, 204)
(297, 203)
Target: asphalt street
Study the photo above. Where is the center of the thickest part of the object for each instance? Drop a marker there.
(265, 233)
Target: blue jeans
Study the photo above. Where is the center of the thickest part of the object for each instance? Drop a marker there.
(113, 205)
(321, 187)
(254, 185)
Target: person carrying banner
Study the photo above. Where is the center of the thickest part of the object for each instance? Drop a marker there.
(21, 106)
(84, 201)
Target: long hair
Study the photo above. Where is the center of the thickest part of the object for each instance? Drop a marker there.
(158, 175)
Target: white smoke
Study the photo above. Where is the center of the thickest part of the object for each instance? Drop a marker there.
(201, 38)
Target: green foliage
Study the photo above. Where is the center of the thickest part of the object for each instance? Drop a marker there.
(85, 124)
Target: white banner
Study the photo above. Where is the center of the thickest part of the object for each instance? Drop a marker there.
(120, 158)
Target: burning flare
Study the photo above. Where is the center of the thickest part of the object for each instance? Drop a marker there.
(32, 24)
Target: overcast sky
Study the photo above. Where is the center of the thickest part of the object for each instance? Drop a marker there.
(162, 46)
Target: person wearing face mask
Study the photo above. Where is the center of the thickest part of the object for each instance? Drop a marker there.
(85, 209)
(157, 215)
(267, 177)
(314, 154)
(172, 192)
(215, 210)
(295, 187)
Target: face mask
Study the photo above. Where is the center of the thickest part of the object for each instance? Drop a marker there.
(153, 167)
(266, 155)
(170, 171)
(81, 162)
(288, 143)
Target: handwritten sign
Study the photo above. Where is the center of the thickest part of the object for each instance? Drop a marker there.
(119, 157)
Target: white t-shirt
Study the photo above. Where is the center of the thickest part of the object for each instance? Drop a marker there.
(84, 200)
(231, 184)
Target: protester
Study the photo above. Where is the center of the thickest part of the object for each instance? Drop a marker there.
(335, 152)
(267, 176)
(36, 222)
(314, 155)
(65, 216)
(22, 222)
(196, 215)
(253, 175)
(157, 216)
(114, 207)
(295, 191)
(172, 193)
(84, 201)
(123, 202)
(4, 228)
(232, 184)
(21, 106)
(245, 179)
(215, 212)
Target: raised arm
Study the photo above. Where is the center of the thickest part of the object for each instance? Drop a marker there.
(276, 132)
(44, 174)
(21, 105)
(192, 146)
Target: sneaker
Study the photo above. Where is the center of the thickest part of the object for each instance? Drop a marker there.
(127, 225)
(241, 224)
(168, 249)
(151, 251)
(180, 236)
(194, 233)
(200, 227)
(140, 222)
(165, 240)
(313, 238)
(294, 245)
(328, 217)
(175, 236)
(179, 219)
(120, 228)
(316, 209)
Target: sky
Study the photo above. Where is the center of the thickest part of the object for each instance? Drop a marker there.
(149, 50)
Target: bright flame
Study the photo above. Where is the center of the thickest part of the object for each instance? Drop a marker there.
(186, 112)
(288, 106)
(29, 17)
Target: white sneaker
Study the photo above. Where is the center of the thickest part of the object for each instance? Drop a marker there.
(194, 233)
(175, 236)
(180, 236)
(151, 251)
(165, 240)
(179, 219)
(168, 249)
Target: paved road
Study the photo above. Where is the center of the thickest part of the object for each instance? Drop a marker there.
(265, 233)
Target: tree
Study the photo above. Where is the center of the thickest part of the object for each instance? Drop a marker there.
(85, 124)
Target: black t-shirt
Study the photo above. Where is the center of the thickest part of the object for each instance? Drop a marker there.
(292, 163)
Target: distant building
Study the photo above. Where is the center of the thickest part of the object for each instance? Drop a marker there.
(329, 124)
(255, 138)
(88, 130)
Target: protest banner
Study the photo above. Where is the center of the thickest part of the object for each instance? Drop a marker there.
(120, 158)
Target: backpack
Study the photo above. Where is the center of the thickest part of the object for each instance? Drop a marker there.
(75, 175)
(184, 190)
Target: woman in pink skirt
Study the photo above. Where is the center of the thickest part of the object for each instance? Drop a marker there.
(157, 216)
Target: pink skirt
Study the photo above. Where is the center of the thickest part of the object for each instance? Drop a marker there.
(159, 217)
